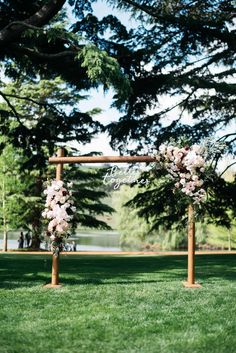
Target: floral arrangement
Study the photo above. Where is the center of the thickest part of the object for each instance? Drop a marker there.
(59, 210)
(186, 166)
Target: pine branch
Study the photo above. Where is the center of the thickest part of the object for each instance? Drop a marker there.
(12, 32)
(195, 25)
(213, 59)
(199, 82)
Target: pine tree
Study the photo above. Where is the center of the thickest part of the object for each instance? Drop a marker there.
(12, 202)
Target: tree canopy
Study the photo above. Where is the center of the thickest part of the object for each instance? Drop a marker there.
(45, 65)
(178, 61)
(37, 37)
(183, 49)
(186, 50)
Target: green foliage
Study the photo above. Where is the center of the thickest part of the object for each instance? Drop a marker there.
(154, 217)
(133, 230)
(89, 194)
(137, 232)
(47, 64)
(161, 206)
(22, 199)
(20, 194)
(42, 41)
(42, 114)
(103, 68)
(11, 189)
(221, 237)
(180, 49)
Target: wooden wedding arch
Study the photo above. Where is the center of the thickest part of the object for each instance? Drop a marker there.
(60, 160)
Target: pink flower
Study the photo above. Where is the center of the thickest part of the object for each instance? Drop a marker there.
(184, 165)
(57, 203)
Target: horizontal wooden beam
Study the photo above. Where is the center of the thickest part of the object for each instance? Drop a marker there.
(102, 159)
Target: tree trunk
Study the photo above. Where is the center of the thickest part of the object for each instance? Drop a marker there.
(35, 244)
(5, 235)
(229, 240)
(5, 230)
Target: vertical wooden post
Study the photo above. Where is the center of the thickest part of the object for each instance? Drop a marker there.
(55, 270)
(191, 245)
(191, 250)
(59, 168)
(55, 259)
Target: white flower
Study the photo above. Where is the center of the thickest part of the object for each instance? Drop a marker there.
(57, 203)
(52, 224)
(67, 205)
(57, 184)
(62, 199)
(202, 191)
(59, 229)
(162, 148)
(49, 214)
(185, 165)
(170, 149)
(182, 181)
(196, 148)
(200, 183)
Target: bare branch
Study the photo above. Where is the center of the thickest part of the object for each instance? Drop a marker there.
(226, 136)
(230, 165)
(24, 24)
(213, 59)
(11, 107)
(45, 104)
(181, 103)
(43, 56)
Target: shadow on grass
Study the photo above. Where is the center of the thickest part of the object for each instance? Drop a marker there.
(29, 270)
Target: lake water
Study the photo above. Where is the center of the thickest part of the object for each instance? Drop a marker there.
(94, 240)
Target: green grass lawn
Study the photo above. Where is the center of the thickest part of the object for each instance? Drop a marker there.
(108, 304)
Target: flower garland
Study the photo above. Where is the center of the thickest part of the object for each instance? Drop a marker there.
(60, 211)
(186, 166)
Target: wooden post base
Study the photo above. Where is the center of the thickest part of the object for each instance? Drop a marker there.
(191, 285)
(49, 285)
